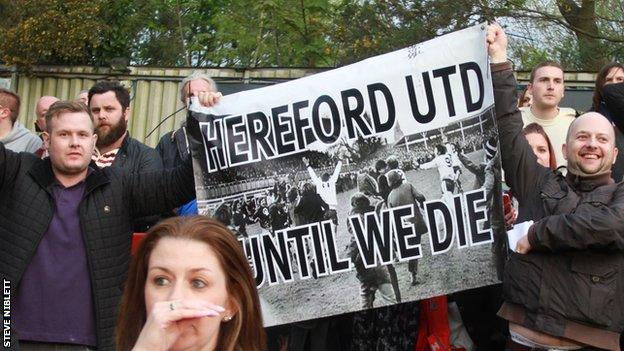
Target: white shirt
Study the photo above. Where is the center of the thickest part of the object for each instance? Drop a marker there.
(327, 190)
(454, 158)
(444, 163)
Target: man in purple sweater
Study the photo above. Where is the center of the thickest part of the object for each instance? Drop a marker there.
(65, 233)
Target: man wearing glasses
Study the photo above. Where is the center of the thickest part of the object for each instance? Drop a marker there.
(13, 135)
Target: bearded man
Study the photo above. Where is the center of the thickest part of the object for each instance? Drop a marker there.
(109, 103)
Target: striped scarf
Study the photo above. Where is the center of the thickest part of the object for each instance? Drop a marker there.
(104, 160)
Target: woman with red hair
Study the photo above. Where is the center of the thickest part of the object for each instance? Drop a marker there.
(541, 145)
(190, 287)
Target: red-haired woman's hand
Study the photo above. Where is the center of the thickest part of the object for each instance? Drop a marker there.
(161, 329)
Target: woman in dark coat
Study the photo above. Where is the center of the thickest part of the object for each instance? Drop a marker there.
(609, 101)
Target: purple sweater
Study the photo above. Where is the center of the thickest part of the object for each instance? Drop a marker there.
(54, 301)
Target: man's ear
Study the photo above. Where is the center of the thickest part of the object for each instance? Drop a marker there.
(126, 114)
(615, 153)
(5, 113)
(46, 140)
(564, 149)
(530, 89)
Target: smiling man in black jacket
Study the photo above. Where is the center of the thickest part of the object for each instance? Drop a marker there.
(564, 285)
(65, 232)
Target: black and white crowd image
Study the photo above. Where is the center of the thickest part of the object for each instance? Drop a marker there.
(438, 170)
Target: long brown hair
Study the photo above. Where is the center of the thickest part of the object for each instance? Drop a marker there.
(534, 128)
(523, 98)
(600, 81)
(244, 331)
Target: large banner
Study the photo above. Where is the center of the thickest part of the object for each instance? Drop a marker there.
(368, 185)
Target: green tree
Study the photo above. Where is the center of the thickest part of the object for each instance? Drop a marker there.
(582, 34)
(366, 28)
(119, 22)
(157, 32)
(268, 33)
(50, 32)
(176, 33)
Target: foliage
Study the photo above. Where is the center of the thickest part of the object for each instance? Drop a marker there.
(582, 34)
(160, 32)
(366, 28)
(266, 33)
(176, 33)
(50, 31)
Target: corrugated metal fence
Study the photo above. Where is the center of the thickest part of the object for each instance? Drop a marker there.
(155, 91)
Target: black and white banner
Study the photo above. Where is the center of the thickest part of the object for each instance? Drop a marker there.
(371, 184)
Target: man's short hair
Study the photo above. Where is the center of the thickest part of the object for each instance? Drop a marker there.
(121, 93)
(195, 76)
(392, 162)
(380, 165)
(63, 106)
(11, 101)
(395, 178)
(548, 63)
(308, 188)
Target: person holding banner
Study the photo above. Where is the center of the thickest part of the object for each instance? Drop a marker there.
(174, 146)
(564, 283)
(190, 286)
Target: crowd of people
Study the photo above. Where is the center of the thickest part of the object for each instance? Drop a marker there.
(262, 176)
(270, 168)
(90, 188)
(71, 197)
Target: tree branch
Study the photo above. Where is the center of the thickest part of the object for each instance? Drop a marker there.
(545, 16)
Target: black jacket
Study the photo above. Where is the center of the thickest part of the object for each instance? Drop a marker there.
(135, 156)
(113, 199)
(312, 207)
(574, 275)
(614, 103)
(613, 107)
(173, 147)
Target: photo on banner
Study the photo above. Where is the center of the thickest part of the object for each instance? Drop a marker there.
(367, 185)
